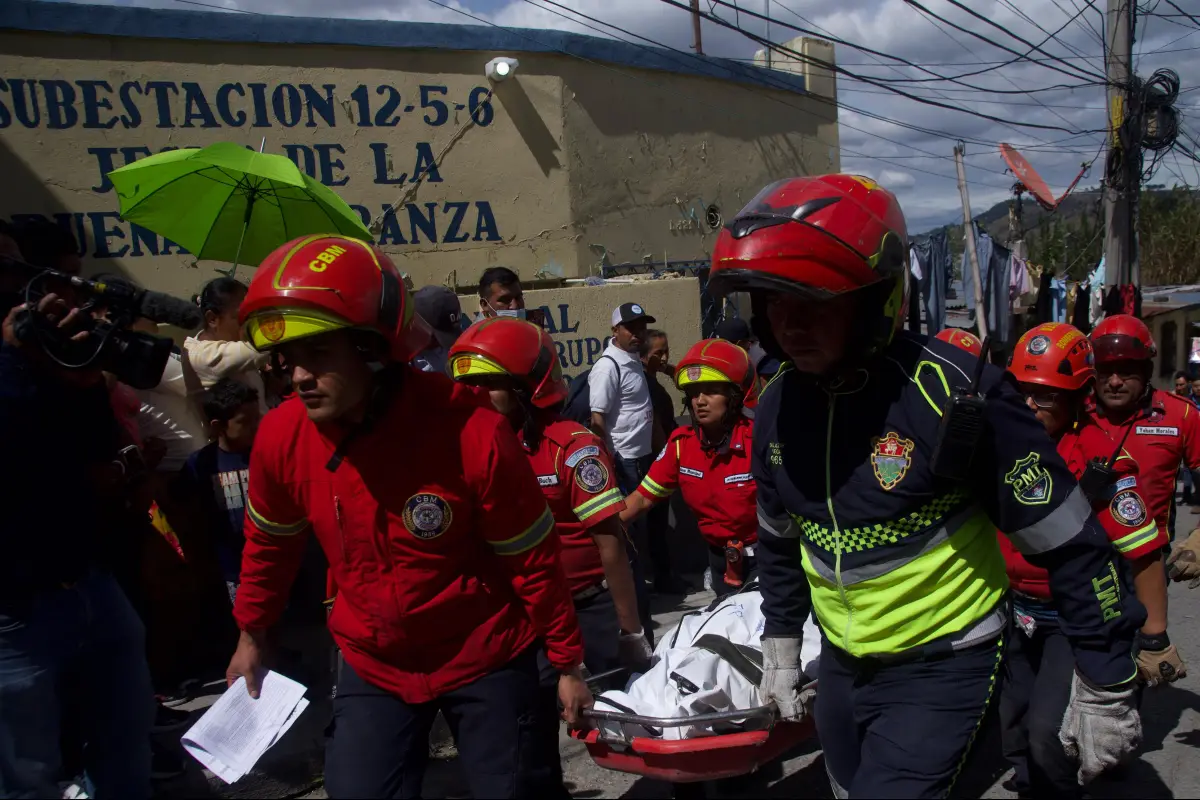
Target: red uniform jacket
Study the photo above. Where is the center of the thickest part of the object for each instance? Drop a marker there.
(717, 485)
(577, 477)
(1163, 435)
(437, 537)
(1121, 511)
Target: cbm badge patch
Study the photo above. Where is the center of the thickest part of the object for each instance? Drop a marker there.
(1031, 482)
(890, 459)
(591, 475)
(1128, 509)
(427, 516)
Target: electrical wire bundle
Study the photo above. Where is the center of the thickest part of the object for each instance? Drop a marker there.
(1151, 123)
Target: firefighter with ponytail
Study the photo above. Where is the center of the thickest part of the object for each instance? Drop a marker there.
(438, 541)
(709, 461)
(516, 362)
(884, 463)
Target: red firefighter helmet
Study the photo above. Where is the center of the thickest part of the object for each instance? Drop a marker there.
(316, 284)
(1122, 337)
(715, 361)
(964, 340)
(1053, 354)
(821, 237)
(514, 348)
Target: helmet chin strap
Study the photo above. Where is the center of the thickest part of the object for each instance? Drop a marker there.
(732, 411)
(531, 430)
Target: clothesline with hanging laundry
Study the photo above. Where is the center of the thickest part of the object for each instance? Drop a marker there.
(1011, 286)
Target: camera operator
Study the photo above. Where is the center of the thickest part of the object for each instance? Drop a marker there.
(62, 614)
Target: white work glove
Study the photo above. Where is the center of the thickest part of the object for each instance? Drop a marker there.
(634, 651)
(782, 678)
(1100, 729)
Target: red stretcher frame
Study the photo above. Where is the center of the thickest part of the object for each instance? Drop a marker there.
(704, 758)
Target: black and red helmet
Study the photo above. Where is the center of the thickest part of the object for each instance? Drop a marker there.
(820, 237)
(1122, 337)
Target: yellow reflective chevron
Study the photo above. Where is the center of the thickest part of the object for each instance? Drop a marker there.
(654, 489)
(1139, 538)
(273, 528)
(527, 539)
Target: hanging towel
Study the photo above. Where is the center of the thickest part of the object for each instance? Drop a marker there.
(1081, 318)
(1044, 308)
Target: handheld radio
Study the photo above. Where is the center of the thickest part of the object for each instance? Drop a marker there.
(961, 428)
(1098, 474)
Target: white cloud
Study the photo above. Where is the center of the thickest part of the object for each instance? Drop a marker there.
(917, 163)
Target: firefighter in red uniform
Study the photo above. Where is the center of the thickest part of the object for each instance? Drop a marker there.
(963, 340)
(1160, 430)
(709, 462)
(437, 537)
(516, 361)
(1052, 365)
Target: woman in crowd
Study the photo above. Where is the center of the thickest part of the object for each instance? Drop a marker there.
(709, 461)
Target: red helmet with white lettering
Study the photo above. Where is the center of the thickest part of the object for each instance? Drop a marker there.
(1053, 354)
(513, 348)
(821, 237)
(1122, 337)
(317, 284)
(964, 340)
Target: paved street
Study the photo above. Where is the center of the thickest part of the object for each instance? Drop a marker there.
(1169, 765)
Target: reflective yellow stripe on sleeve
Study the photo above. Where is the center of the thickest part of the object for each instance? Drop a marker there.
(1139, 538)
(273, 528)
(528, 539)
(654, 489)
(597, 504)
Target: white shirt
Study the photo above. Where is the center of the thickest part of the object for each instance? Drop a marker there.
(628, 413)
(213, 360)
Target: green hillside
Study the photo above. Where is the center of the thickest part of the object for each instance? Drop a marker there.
(1072, 236)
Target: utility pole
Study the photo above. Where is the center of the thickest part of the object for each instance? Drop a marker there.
(767, 12)
(696, 44)
(960, 150)
(1122, 183)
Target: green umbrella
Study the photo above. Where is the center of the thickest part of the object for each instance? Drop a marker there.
(228, 203)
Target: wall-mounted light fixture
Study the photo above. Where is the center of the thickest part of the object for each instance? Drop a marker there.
(500, 68)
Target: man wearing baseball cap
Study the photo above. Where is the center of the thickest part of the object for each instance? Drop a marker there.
(438, 306)
(623, 415)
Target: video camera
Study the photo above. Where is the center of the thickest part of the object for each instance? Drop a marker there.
(136, 359)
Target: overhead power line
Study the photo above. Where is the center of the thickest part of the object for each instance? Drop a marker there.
(834, 68)
(1002, 74)
(879, 60)
(1090, 80)
(703, 100)
(772, 81)
(1079, 74)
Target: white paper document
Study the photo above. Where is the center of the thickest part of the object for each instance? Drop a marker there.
(237, 729)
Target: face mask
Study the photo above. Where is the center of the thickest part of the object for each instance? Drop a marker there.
(516, 313)
(756, 353)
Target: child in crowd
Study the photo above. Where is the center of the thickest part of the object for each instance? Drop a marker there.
(217, 351)
(218, 471)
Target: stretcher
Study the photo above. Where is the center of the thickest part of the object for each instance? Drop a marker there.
(756, 738)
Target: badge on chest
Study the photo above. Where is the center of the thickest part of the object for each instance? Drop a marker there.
(427, 516)
(891, 457)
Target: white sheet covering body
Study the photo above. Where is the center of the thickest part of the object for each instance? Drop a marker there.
(687, 680)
